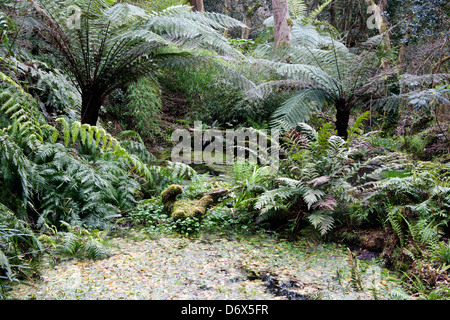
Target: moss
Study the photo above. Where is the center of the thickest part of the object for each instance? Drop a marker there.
(181, 209)
(169, 196)
(289, 22)
(185, 208)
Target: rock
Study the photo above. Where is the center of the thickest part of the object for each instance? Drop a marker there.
(169, 196)
(215, 194)
(181, 209)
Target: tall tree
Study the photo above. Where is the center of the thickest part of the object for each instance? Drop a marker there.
(382, 24)
(282, 22)
(325, 73)
(197, 5)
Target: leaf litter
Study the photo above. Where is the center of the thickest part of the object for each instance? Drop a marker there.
(209, 267)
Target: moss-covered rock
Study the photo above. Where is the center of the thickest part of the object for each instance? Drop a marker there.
(169, 196)
(181, 209)
(197, 208)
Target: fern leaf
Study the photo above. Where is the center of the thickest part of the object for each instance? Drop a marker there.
(321, 220)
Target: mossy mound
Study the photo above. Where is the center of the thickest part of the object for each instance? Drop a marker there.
(169, 196)
(197, 208)
(181, 209)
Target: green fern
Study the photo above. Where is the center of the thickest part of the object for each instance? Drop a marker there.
(312, 176)
(356, 127)
(321, 221)
(416, 205)
(355, 273)
(117, 44)
(321, 71)
(20, 107)
(73, 244)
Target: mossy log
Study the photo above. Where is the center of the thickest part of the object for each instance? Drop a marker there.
(169, 196)
(184, 208)
(181, 209)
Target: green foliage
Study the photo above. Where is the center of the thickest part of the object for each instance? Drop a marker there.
(144, 107)
(357, 127)
(81, 243)
(321, 71)
(75, 173)
(415, 144)
(388, 143)
(20, 107)
(114, 45)
(18, 247)
(355, 273)
(314, 177)
(416, 205)
(83, 193)
(160, 5)
(255, 181)
(152, 217)
(187, 226)
(441, 253)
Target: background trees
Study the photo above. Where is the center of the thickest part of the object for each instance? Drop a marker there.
(197, 5)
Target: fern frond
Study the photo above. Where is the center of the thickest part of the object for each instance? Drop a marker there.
(321, 220)
(95, 250)
(298, 108)
(21, 107)
(315, 13)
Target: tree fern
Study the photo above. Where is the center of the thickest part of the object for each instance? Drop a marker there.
(116, 45)
(329, 72)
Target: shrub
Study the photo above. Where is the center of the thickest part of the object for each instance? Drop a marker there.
(414, 206)
(18, 248)
(312, 182)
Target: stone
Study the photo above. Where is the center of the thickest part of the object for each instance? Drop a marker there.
(181, 209)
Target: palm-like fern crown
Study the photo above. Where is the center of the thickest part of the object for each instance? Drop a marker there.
(319, 66)
(113, 45)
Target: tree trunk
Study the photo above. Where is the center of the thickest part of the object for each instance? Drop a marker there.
(282, 23)
(403, 47)
(248, 20)
(197, 5)
(342, 118)
(91, 102)
(246, 31)
(332, 14)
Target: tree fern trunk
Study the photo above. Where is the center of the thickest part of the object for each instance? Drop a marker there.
(197, 5)
(342, 118)
(91, 101)
(282, 21)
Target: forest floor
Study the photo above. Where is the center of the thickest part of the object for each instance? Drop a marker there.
(212, 267)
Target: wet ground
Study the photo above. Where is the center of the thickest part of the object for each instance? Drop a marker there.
(212, 267)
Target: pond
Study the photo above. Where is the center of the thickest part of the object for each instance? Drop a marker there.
(253, 267)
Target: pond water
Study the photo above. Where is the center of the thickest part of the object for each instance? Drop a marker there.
(212, 267)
